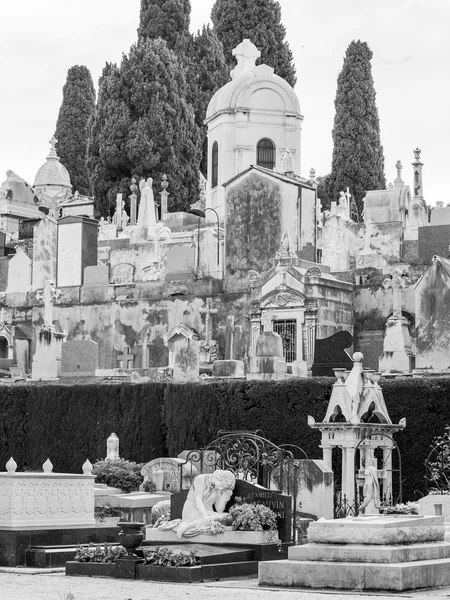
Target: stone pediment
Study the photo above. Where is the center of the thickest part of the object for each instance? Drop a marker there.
(180, 331)
(282, 296)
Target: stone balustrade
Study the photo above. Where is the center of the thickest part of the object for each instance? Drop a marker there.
(46, 500)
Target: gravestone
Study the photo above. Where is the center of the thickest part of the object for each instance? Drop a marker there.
(180, 263)
(268, 362)
(280, 503)
(122, 274)
(95, 276)
(330, 354)
(184, 349)
(370, 343)
(177, 473)
(77, 248)
(19, 273)
(79, 358)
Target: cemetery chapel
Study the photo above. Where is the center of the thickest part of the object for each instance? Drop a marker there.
(254, 281)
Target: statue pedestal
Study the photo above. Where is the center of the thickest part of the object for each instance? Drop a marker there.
(397, 348)
(47, 358)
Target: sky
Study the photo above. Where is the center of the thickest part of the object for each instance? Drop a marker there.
(42, 39)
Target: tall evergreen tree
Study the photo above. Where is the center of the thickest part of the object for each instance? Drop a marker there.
(167, 19)
(260, 22)
(77, 108)
(358, 160)
(145, 126)
(207, 72)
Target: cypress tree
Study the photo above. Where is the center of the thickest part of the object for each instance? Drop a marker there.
(167, 19)
(144, 125)
(260, 22)
(207, 72)
(77, 108)
(358, 160)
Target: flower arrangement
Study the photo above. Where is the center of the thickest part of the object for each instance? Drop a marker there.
(408, 508)
(216, 527)
(252, 516)
(99, 553)
(165, 557)
(101, 512)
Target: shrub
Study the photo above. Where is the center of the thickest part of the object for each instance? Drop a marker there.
(101, 512)
(253, 516)
(120, 473)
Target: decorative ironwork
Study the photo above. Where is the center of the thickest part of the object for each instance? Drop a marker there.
(314, 272)
(265, 154)
(343, 508)
(287, 329)
(252, 457)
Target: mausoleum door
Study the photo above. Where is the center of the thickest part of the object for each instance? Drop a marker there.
(288, 323)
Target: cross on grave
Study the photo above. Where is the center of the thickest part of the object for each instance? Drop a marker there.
(230, 329)
(397, 283)
(208, 311)
(49, 294)
(126, 360)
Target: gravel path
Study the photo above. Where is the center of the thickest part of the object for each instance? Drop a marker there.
(57, 586)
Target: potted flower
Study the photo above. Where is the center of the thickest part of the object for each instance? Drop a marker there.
(96, 560)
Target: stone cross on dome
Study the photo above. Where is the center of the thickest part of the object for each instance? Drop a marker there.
(246, 55)
(53, 141)
(398, 166)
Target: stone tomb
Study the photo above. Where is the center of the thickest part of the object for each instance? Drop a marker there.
(395, 552)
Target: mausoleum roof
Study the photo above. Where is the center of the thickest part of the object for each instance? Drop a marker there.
(52, 171)
(253, 87)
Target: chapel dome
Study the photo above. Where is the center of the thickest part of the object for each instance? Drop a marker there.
(253, 87)
(52, 171)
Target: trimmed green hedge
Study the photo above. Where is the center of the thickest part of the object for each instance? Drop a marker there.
(71, 423)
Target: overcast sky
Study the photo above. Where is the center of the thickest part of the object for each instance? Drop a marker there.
(42, 39)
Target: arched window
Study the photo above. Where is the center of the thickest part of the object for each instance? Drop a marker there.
(214, 165)
(265, 154)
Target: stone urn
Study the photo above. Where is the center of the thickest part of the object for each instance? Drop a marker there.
(130, 535)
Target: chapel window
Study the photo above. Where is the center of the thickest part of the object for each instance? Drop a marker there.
(265, 154)
(215, 165)
(287, 330)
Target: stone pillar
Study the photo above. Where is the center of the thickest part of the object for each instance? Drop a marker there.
(327, 455)
(164, 196)
(417, 172)
(133, 202)
(387, 469)
(350, 475)
(310, 327)
(255, 324)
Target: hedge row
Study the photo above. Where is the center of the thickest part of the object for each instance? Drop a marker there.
(71, 423)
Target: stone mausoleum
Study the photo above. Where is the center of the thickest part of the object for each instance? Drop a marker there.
(256, 256)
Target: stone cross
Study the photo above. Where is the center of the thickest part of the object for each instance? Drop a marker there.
(397, 283)
(208, 311)
(49, 294)
(398, 166)
(53, 141)
(230, 330)
(126, 359)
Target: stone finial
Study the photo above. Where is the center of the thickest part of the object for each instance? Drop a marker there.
(398, 166)
(417, 152)
(246, 55)
(133, 187)
(112, 447)
(47, 467)
(11, 465)
(357, 357)
(312, 174)
(53, 141)
(164, 182)
(87, 467)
